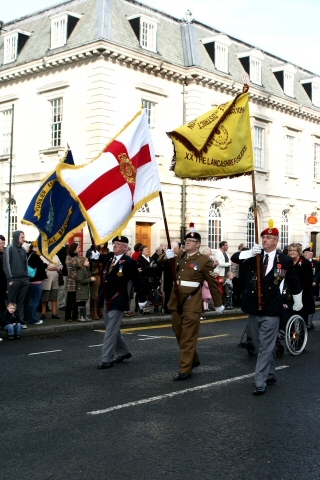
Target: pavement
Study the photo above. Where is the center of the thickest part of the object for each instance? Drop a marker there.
(52, 326)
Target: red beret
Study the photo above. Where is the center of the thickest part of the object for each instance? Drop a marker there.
(270, 231)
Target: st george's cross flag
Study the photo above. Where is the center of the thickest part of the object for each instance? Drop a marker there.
(215, 145)
(54, 212)
(113, 186)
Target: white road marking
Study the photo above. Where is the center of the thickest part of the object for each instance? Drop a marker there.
(148, 337)
(49, 351)
(173, 394)
(92, 346)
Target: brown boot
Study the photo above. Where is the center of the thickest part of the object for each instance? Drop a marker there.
(95, 312)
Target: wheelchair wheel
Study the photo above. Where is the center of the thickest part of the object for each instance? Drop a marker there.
(296, 334)
(141, 311)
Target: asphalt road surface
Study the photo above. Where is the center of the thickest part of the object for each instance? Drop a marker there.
(62, 418)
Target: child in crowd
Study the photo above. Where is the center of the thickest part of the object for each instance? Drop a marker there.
(11, 322)
(83, 280)
(228, 287)
(206, 296)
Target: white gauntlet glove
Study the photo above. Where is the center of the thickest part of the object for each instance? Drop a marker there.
(255, 250)
(142, 304)
(169, 253)
(297, 299)
(95, 256)
(219, 309)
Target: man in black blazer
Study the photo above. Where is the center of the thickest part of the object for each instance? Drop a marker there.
(264, 324)
(308, 254)
(118, 270)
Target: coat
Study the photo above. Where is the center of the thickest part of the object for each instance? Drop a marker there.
(223, 266)
(52, 280)
(114, 282)
(83, 280)
(196, 268)
(35, 261)
(271, 295)
(303, 270)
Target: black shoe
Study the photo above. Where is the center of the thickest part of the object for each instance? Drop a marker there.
(122, 357)
(271, 381)
(55, 316)
(11, 337)
(42, 317)
(311, 327)
(105, 365)
(17, 337)
(259, 391)
(181, 376)
(196, 364)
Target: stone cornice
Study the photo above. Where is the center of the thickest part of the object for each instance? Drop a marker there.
(149, 64)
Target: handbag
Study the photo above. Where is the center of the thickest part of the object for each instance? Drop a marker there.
(61, 280)
(31, 271)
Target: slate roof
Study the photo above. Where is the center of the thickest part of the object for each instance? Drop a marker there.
(120, 33)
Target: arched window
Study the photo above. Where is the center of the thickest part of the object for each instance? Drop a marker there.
(144, 209)
(214, 227)
(284, 235)
(250, 228)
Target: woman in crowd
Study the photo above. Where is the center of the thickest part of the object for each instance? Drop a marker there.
(71, 264)
(50, 286)
(36, 282)
(304, 272)
(147, 270)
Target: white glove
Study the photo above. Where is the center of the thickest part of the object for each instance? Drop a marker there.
(169, 253)
(297, 299)
(255, 250)
(95, 256)
(219, 309)
(142, 304)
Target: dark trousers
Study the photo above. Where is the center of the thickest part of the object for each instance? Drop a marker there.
(71, 311)
(16, 294)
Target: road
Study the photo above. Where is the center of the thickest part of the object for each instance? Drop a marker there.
(62, 418)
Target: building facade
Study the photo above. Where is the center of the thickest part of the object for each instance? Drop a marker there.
(76, 73)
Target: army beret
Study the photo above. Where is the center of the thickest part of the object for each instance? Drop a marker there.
(121, 239)
(309, 249)
(194, 235)
(270, 231)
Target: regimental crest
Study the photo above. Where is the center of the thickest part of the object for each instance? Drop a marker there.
(127, 168)
(221, 138)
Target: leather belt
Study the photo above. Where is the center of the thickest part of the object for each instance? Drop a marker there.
(108, 302)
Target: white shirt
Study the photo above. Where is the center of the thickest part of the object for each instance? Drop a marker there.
(270, 260)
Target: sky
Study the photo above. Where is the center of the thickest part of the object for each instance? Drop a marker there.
(288, 29)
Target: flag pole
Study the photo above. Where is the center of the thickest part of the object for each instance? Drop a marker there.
(172, 261)
(258, 257)
(93, 243)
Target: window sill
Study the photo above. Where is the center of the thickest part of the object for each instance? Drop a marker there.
(292, 176)
(261, 170)
(5, 157)
(52, 151)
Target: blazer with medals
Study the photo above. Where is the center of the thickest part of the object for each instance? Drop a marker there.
(196, 268)
(283, 267)
(115, 281)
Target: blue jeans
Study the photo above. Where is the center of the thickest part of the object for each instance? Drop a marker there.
(13, 330)
(35, 292)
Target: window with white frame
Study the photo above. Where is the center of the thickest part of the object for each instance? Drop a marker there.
(221, 57)
(255, 71)
(316, 94)
(284, 234)
(250, 228)
(288, 83)
(258, 139)
(150, 111)
(145, 29)
(56, 121)
(5, 130)
(316, 161)
(290, 140)
(214, 227)
(144, 209)
(62, 25)
(13, 43)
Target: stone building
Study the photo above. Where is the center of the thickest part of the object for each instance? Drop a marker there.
(77, 72)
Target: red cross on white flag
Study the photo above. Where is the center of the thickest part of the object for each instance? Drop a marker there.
(112, 187)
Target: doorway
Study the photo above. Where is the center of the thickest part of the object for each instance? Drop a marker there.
(143, 234)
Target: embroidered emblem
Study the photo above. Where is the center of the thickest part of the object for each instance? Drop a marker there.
(221, 138)
(191, 234)
(127, 168)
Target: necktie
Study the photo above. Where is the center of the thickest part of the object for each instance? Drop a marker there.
(114, 261)
(265, 265)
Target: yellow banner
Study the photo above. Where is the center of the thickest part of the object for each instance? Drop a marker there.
(217, 144)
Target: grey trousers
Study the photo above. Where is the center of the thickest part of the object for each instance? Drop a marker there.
(17, 293)
(264, 331)
(113, 341)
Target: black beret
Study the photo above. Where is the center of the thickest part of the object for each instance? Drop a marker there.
(121, 239)
(308, 250)
(194, 235)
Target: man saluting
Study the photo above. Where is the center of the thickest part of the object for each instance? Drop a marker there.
(264, 324)
(118, 270)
